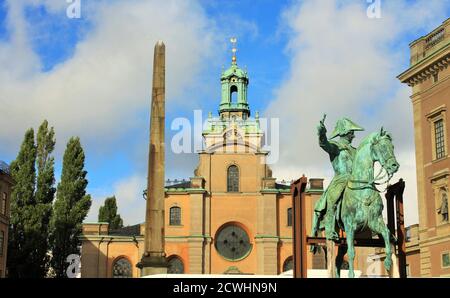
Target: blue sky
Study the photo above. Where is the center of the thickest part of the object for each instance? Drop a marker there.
(91, 77)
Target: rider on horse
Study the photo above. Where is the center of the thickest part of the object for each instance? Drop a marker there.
(341, 154)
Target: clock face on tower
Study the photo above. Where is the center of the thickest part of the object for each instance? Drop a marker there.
(233, 243)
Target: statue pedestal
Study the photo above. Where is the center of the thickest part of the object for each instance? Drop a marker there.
(151, 265)
(153, 270)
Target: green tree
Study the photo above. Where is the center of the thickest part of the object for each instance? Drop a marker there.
(22, 229)
(45, 192)
(71, 207)
(108, 213)
(31, 205)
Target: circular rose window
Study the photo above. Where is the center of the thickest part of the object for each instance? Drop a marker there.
(233, 243)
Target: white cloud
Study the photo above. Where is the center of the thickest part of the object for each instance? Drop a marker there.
(345, 64)
(97, 92)
(129, 198)
(130, 203)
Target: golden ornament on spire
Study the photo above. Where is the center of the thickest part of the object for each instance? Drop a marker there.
(233, 40)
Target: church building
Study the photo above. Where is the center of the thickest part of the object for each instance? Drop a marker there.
(230, 217)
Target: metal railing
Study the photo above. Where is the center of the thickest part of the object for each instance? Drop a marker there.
(434, 38)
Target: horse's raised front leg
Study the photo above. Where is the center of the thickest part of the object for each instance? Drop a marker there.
(378, 226)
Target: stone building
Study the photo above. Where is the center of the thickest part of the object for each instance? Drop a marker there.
(429, 78)
(6, 184)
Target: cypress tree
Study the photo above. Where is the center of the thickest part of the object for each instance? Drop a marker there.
(45, 192)
(70, 208)
(22, 229)
(108, 213)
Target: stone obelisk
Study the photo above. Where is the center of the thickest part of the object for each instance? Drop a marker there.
(154, 259)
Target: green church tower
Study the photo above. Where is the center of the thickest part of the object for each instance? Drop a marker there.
(234, 122)
(234, 82)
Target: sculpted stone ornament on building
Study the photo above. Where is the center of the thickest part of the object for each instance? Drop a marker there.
(352, 202)
(443, 209)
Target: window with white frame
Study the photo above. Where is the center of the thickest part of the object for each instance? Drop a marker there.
(438, 141)
(439, 138)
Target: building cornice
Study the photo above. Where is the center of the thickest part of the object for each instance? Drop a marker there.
(178, 191)
(138, 238)
(426, 67)
(436, 112)
(117, 238)
(272, 191)
(434, 240)
(440, 174)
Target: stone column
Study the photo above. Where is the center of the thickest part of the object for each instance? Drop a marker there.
(154, 259)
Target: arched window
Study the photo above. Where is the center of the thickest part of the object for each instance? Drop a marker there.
(288, 264)
(175, 265)
(233, 94)
(175, 216)
(122, 268)
(233, 179)
(289, 217)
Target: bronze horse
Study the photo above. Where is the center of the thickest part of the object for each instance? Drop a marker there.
(362, 206)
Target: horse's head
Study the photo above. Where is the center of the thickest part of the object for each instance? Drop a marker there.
(383, 151)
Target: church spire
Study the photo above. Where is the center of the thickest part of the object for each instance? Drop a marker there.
(233, 41)
(234, 123)
(234, 82)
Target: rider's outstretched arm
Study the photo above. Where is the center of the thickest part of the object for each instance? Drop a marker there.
(330, 148)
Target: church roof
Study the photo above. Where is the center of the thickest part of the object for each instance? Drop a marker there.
(134, 230)
(282, 186)
(178, 183)
(217, 125)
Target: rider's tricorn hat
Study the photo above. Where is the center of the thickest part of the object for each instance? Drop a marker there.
(344, 126)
